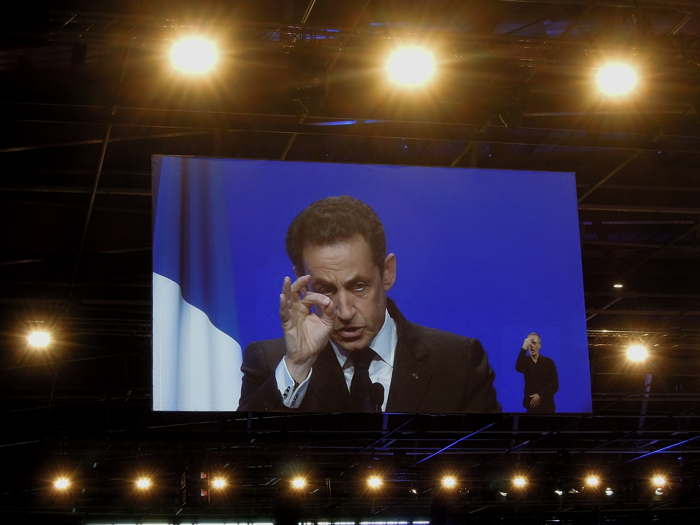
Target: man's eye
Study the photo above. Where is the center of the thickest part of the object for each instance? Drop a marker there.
(360, 287)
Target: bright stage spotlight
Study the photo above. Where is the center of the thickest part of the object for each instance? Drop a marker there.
(659, 481)
(609, 491)
(592, 481)
(616, 79)
(298, 483)
(519, 482)
(39, 339)
(61, 483)
(143, 483)
(448, 482)
(637, 353)
(375, 482)
(219, 483)
(411, 66)
(194, 55)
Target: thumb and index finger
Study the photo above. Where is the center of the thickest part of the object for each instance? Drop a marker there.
(296, 293)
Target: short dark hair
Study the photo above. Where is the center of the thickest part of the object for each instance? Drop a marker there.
(334, 219)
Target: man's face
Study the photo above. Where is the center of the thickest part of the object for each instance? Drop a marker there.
(535, 345)
(346, 272)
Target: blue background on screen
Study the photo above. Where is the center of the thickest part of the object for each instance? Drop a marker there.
(491, 254)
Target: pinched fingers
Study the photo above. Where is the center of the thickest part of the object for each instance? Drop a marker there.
(324, 305)
(299, 286)
(291, 296)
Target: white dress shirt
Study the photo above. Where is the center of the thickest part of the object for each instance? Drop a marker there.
(380, 369)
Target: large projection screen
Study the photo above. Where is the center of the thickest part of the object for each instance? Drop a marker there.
(488, 256)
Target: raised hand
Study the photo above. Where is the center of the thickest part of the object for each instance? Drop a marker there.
(305, 332)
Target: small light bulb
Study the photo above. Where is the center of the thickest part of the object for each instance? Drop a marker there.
(375, 482)
(519, 481)
(448, 482)
(592, 480)
(659, 480)
(144, 483)
(616, 79)
(219, 483)
(298, 482)
(39, 339)
(194, 55)
(61, 483)
(411, 66)
(637, 353)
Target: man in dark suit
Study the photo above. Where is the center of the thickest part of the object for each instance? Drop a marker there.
(346, 346)
(541, 382)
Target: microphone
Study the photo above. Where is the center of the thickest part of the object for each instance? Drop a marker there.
(377, 396)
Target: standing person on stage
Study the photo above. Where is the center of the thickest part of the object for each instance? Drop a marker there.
(540, 373)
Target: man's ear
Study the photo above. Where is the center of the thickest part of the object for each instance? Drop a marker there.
(389, 273)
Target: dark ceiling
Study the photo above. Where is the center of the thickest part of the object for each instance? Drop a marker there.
(86, 100)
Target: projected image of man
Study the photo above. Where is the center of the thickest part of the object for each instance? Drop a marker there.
(541, 382)
(346, 345)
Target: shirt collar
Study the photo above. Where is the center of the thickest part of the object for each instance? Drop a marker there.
(383, 344)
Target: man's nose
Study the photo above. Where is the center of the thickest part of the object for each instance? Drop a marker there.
(345, 306)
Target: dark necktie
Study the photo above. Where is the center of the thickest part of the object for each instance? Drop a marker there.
(361, 386)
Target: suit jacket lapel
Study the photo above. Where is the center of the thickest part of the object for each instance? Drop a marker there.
(411, 375)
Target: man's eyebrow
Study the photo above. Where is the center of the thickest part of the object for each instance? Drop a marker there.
(357, 279)
(321, 282)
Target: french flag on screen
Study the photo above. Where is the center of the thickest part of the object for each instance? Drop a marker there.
(196, 355)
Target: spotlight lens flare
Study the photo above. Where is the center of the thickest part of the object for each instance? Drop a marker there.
(61, 483)
(219, 483)
(194, 55)
(448, 482)
(609, 491)
(659, 481)
(39, 339)
(637, 353)
(411, 66)
(298, 483)
(592, 480)
(616, 79)
(519, 482)
(144, 483)
(375, 482)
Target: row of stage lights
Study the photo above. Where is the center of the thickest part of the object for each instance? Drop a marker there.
(406, 66)
(42, 339)
(375, 483)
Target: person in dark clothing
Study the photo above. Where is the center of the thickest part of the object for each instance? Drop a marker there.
(540, 373)
(346, 346)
